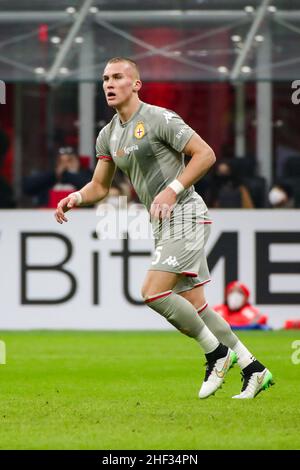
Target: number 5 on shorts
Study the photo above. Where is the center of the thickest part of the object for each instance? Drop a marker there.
(157, 255)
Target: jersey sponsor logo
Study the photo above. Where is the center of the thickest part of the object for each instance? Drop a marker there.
(168, 116)
(125, 151)
(181, 132)
(171, 261)
(128, 150)
(119, 153)
(139, 130)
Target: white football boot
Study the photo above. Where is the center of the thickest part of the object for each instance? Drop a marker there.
(216, 371)
(255, 383)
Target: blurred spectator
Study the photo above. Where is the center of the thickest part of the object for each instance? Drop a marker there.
(113, 197)
(7, 200)
(281, 196)
(122, 182)
(202, 187)
(284, 151)
(67, 176)
(237, 310)
(226, 189)
(120, 186)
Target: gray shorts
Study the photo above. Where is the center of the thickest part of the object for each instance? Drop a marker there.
(184, 253)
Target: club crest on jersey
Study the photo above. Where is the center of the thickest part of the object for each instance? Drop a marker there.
(139, 130)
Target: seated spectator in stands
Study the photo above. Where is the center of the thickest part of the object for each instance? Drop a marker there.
(237, 310)
(7, 200)
(67, 175)
(226, 189)
(281, 196)
(113, 197)
(122, 182)
(120, 187)
(202, 187)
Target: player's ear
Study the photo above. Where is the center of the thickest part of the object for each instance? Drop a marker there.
(137, 85)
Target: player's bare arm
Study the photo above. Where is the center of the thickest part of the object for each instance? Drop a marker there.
(202, 158)
(96, 190)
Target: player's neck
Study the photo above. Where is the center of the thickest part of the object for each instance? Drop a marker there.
(127, 110)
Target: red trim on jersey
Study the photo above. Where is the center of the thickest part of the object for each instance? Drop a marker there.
(159, 296)
(202, 283)
(105, 157)
(187, 273)
(200, 309)
(205, 222)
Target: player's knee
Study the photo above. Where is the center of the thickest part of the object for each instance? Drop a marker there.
(196, 298)
(146, 292)
(149, 291)
(200, 305)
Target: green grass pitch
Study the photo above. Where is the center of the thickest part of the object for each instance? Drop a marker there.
(139, 390)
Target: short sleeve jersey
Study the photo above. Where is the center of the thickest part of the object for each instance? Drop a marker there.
(148, 148)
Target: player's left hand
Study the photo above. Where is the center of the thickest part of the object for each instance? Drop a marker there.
(163, 204)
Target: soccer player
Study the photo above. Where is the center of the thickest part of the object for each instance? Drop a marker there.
(147, 143)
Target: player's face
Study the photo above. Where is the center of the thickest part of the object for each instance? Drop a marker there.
(119, 82)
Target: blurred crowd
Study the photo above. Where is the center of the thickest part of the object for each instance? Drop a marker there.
(235, 183)
(7, 200)
(232, 182)
(71, 173)
(68, 175)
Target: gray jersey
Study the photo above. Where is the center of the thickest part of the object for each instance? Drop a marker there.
(148, 148)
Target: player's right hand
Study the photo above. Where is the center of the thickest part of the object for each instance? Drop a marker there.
(63, 206)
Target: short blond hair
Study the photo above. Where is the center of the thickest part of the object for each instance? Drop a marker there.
(129, 61)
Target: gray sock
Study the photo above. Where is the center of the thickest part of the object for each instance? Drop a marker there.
(183, 315)
(218, 326)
